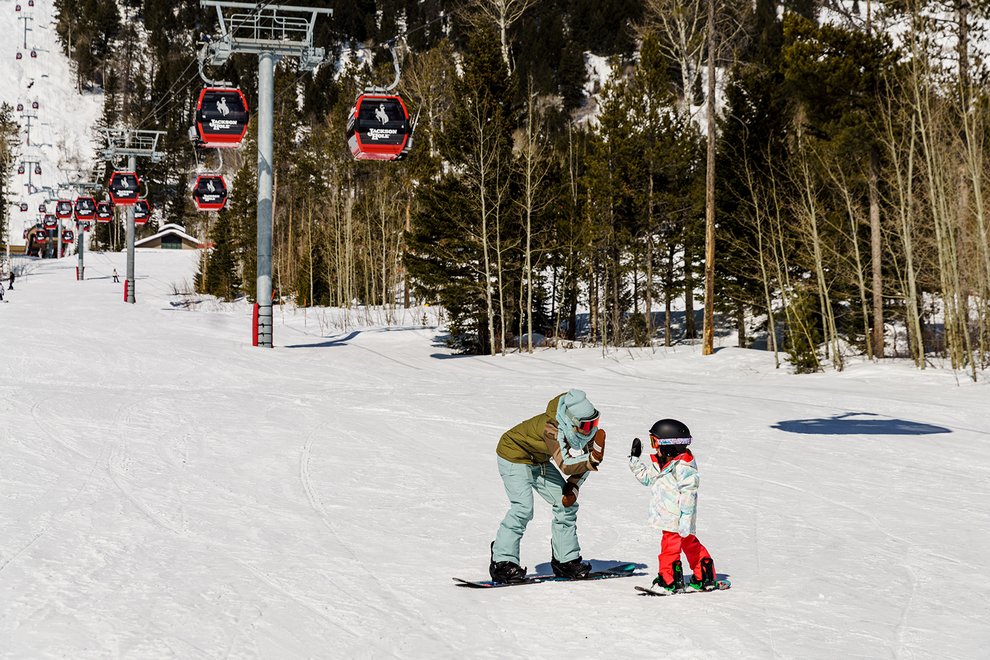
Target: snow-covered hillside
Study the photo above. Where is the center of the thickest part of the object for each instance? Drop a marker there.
(61, 128)
(166, 490)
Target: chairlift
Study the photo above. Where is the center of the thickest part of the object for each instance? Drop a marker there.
(222, 117)
(85, 208)
(210, 192)
(124, 188)
(142, 211)
(104, 212)
(63, 209)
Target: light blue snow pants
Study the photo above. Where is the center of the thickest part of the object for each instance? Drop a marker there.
(520, 481)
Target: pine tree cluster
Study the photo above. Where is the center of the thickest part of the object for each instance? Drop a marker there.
(849, 196)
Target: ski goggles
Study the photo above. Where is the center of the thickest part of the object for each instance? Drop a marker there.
(587, 426)
(657, 442)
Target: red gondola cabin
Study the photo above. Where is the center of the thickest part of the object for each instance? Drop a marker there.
(63, 209)
(222, 117)
(142, 211)
(85, 208)
(104, 212)
(124, 188)
(210, 192)
(378, 128)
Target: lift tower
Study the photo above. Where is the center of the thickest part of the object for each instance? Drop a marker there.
(271, 32)
(134, 144)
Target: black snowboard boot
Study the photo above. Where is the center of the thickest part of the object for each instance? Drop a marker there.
(505, 571)
(707, 574)
(574, 569)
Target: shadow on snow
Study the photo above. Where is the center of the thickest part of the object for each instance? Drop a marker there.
(858, 423)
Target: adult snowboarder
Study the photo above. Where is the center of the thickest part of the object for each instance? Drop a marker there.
(568, 434)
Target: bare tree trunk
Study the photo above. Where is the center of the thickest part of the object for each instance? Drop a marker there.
(648, 285)
(405, 279)
(876, 255)
(708, 343)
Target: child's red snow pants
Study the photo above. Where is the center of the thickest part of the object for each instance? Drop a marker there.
(670, 551)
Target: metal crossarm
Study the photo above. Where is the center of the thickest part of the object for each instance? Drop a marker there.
(131, 142)
(277, 29)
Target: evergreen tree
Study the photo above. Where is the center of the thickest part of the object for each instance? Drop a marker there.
(218, 273)
(474, 242)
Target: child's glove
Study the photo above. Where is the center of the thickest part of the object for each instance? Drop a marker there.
(637, 448)
(570, 494)
(684, 526)
(598, 447)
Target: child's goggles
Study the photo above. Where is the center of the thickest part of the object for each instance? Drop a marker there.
(587, 426)
(657, 442)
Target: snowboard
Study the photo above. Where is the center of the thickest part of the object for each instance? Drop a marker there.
(720, 585)
(622, 570)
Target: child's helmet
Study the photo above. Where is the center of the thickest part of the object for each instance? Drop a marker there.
(670, 432)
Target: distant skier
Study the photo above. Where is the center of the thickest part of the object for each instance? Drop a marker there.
(10, 285)
(116, 278)
(568, 434)
(673, 477)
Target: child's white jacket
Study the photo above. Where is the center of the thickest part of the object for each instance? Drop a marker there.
(675, 491)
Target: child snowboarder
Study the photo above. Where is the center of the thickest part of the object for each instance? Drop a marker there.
(673, 478)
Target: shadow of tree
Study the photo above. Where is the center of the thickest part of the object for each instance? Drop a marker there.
(339, 341)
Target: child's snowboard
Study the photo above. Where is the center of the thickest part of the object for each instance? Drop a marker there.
(720, 585)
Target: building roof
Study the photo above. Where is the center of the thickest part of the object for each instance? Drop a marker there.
(166, 229)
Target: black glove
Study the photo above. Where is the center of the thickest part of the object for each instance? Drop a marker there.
(637, 448)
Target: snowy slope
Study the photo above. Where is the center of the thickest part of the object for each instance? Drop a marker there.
(166, 490)
(62, 134)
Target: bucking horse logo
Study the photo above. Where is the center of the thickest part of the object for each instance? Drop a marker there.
(380, 114)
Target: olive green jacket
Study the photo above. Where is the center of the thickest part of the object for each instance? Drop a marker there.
(535, 441)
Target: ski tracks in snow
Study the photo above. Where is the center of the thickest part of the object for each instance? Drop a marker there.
(363, 596)
(52, 512)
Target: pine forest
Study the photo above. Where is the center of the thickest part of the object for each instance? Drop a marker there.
(570, 156)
